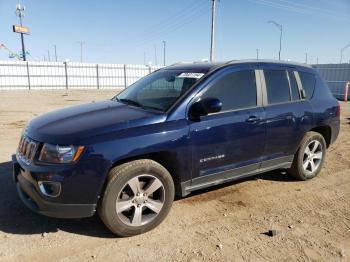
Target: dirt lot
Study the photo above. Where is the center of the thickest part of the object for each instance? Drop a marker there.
(222, 224)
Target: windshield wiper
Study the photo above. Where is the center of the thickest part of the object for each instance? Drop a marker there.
(129, 102)
(137, 104)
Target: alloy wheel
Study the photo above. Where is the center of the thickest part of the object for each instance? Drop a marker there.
(140, 200)
(312, 157)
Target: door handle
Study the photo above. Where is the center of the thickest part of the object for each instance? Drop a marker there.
(253, 119)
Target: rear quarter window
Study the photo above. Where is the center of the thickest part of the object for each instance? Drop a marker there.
(308, 82)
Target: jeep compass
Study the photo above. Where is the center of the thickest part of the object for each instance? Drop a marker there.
(182, 128)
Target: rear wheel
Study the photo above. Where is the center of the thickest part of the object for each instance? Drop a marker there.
(138, 197)
(309, 159)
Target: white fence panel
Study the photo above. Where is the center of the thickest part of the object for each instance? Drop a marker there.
(15, 75)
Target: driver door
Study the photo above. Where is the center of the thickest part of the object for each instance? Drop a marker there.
(229, 143)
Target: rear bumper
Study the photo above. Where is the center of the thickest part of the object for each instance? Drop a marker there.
(34, 200)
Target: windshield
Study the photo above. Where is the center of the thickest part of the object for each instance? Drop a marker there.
(159, 90)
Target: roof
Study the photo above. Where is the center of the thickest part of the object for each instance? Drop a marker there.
(208, 66)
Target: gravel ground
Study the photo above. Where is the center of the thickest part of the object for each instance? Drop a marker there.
(225, 223)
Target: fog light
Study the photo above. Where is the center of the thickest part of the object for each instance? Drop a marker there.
(49, 188)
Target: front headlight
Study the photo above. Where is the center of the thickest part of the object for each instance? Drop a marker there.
(60, 154)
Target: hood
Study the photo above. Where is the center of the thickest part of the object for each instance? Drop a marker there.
(73, 124)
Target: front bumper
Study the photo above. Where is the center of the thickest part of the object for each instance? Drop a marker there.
(30, 195)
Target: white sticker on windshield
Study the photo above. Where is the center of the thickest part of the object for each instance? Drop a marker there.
(191, 75)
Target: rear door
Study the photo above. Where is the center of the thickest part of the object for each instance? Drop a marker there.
(230, 142)
(288, 116)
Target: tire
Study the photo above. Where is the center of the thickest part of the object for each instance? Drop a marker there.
(138, 197)
(302, 168)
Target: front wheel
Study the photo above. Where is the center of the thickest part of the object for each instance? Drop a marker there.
(310, 156)
(138, 197)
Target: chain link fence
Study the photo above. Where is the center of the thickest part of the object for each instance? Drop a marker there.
(19, 75)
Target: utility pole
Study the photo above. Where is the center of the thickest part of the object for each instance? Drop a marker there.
(54, 46)
(317, 60)
(48, 55)
(305, 58)
(20, 13)
(81, 50)
(212, 39)
(144, 57)
(164, 51)
(279, 26)
(342, 51)
(257, 54)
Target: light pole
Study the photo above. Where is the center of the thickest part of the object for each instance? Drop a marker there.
(81, 50)
(20, 13)
(341, 52)
(55, 49)
(257, 54)
(155, 55)
(279, 26)
(164, 50)
(212, 39)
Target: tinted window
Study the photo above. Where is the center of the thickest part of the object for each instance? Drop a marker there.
(277, 86)
(308, 82)
(235, 90)
(294, 87)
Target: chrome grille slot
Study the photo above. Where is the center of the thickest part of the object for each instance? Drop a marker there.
(27, 149)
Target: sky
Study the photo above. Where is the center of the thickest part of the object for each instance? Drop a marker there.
(133, 31)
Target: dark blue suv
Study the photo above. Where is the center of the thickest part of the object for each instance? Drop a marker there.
(179, 129)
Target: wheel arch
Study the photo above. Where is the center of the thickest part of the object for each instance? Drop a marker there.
(168, 160)
(325, 131)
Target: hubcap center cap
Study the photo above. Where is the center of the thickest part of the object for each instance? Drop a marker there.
(140, 199)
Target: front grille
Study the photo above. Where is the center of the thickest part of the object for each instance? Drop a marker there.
(27, 149)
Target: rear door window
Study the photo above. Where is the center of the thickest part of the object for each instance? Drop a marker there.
(308, 82)
(277, 86)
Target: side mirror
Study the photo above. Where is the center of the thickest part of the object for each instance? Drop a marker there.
(204, 107)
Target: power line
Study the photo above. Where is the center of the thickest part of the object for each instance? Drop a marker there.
(289, 7)
(304, 6)
(164, 25)
(171, 27)
(171, 19)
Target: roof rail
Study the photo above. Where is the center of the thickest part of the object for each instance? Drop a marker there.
(179, 63)
(268, 61)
